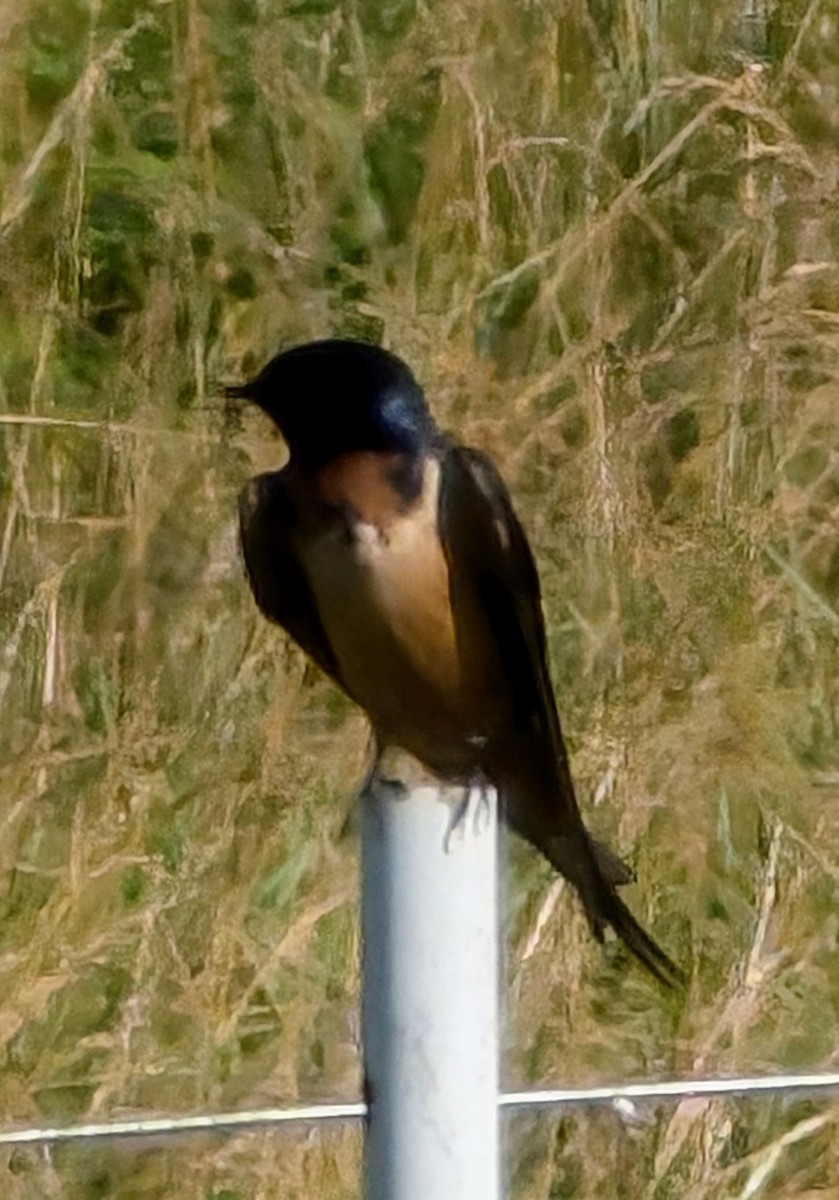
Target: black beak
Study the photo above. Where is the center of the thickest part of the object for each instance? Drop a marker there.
(239, 391)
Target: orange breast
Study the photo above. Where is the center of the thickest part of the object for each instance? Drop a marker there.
(361, 482)
(382, 587)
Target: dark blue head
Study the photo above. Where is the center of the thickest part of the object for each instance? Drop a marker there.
(331, 397)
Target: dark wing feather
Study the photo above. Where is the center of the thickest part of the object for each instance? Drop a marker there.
(488, 555)
(487, 550)
(277, 580)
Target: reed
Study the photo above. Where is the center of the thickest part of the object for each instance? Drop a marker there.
(605, 237)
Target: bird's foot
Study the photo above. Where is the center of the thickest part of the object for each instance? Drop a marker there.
(381, 760)
(390, 789)
(474, 799)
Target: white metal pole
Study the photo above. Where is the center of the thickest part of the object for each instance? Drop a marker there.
(429, 915)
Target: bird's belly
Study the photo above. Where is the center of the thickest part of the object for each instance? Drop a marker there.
(383, 599)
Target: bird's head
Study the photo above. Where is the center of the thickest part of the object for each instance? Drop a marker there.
(328, 398)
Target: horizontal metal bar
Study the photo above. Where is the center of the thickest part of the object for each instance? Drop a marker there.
(209, 1122)
(672, 1089)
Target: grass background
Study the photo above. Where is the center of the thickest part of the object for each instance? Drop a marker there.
(604, 233)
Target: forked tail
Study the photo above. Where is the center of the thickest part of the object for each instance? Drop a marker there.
(582, 862)
(548, 817)
(611, 910)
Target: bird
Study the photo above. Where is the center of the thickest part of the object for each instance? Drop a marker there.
(393, 556)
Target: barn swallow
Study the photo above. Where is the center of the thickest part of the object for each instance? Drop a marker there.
(394, 558)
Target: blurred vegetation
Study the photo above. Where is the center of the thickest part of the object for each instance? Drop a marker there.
(605, 235)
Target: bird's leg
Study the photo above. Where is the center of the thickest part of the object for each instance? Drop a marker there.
(477, 787)
(482, 785)
(458, 816)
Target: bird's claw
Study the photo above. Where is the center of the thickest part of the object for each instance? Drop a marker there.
(390, 789)
(480, 805)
